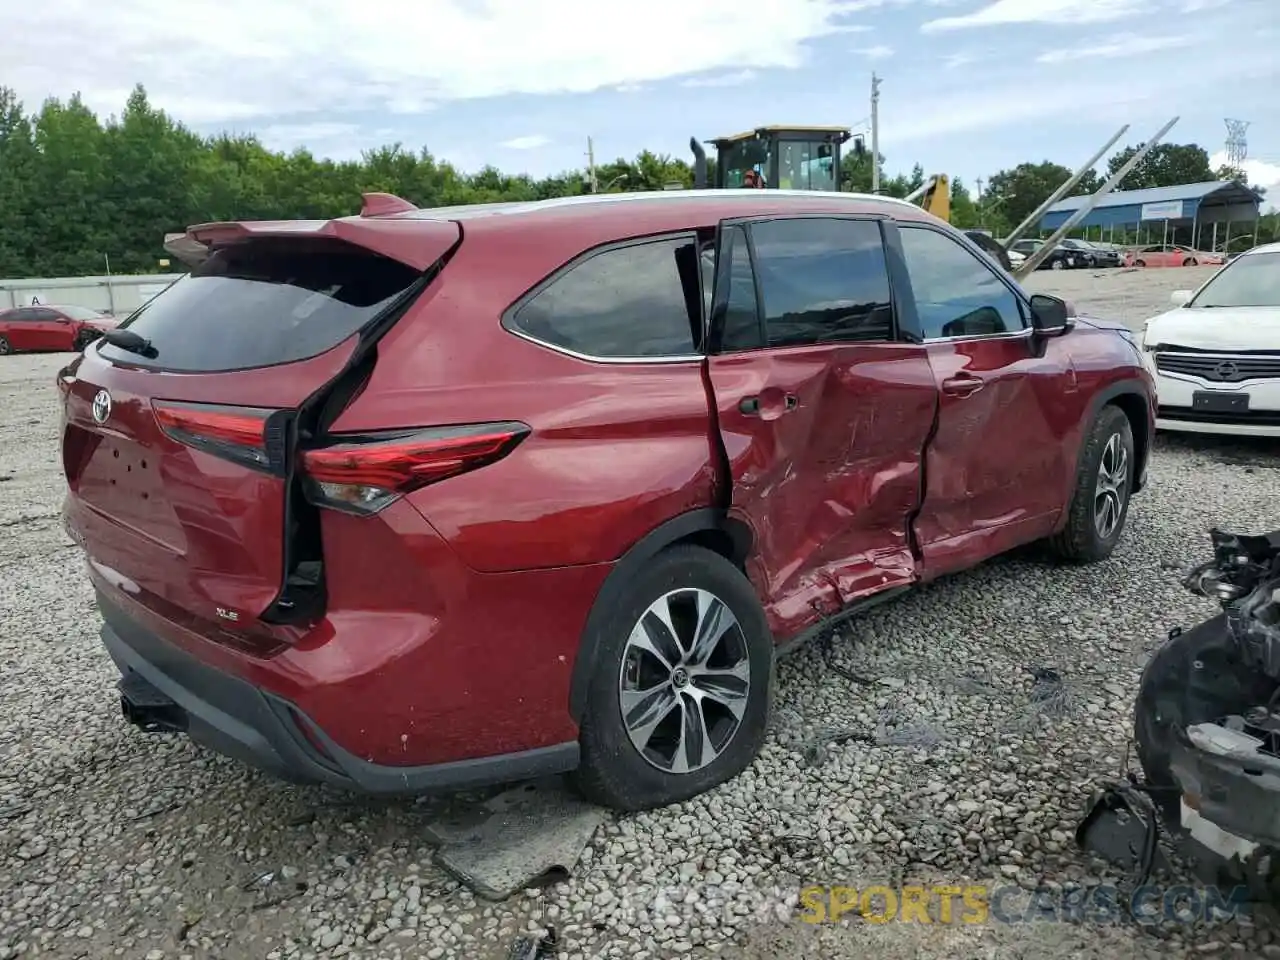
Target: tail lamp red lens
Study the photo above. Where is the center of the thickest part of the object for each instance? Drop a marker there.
(362, 474)
(237, 433)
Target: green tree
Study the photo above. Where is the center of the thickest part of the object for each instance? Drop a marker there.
(1019, 191)
(1166, 165)
(20, 167)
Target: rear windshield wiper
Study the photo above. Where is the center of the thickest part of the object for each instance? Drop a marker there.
(128, 340)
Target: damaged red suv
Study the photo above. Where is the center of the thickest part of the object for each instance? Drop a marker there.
(424, 499)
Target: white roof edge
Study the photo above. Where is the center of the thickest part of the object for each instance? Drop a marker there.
(587, 199)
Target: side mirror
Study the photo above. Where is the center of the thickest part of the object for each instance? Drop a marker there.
(1050, 316)
(1179, 298)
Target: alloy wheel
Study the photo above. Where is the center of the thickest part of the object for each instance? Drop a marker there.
(1112, 487)
(684, 680)
(4, 346)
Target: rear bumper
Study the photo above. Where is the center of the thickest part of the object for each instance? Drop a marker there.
(179, 693)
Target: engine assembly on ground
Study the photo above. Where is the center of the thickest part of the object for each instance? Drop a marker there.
(1207, 731)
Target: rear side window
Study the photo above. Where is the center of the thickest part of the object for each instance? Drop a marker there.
(741, 330)
(822, 281)
(641, 300)
(263, 303)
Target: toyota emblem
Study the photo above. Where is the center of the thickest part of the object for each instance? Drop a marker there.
(101, 407)
(1226, 370)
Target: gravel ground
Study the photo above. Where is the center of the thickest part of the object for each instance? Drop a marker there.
(113, 843)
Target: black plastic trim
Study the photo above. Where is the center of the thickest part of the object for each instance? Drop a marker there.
(239, 720)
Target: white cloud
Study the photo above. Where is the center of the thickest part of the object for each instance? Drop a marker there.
(243, 58)
(1125, 45)
(733, 79)
(878, 52)
(954, 61)
(1260, 174)
(1002, 12)
(531, 142)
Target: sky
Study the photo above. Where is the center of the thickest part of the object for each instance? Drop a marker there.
(968, 87)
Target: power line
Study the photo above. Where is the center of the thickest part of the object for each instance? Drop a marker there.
(1237, 143)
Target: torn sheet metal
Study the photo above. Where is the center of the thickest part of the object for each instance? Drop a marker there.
(1207, 719)
(531, 835)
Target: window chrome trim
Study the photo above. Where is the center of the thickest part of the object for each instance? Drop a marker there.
(1024, 333)
(590, 358)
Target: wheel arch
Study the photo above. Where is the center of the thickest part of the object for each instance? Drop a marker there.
(1131, 399)
(707, 527)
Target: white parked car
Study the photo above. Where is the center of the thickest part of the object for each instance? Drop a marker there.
(1216, 357)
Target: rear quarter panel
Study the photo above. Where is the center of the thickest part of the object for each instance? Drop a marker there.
(615, 449)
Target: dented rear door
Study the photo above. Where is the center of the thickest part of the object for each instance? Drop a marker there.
(824, 407)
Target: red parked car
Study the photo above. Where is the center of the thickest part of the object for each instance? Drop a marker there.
(1168, 255)
(57, 329)
(417, 500)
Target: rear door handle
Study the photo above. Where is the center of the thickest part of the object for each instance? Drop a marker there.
(753, 407)
(962, 385)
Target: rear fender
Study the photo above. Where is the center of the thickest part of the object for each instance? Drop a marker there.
(708, 521)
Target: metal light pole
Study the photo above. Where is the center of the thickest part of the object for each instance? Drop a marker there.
(1086, 208)
(1035, 215)
(875, 133)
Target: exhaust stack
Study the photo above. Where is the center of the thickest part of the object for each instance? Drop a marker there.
(699, 164)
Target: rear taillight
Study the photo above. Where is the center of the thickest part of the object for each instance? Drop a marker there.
(236, 433)
(362, 474)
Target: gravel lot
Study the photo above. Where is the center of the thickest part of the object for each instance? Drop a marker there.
(113, 843)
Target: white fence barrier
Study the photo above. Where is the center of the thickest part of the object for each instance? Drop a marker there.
(115, 295)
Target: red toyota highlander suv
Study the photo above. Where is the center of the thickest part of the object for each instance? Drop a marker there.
(425, 499)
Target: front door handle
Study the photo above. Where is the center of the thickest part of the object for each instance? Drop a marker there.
(962, 385)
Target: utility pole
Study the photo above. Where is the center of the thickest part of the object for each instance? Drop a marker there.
(591, 167)
(875, 133)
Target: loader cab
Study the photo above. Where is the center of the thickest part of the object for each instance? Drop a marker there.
(788, 158)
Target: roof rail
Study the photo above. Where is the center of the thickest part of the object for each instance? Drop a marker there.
(383, 204)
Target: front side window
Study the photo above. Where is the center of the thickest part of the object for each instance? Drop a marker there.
(956, 293)
(624, 302)
(822, 281)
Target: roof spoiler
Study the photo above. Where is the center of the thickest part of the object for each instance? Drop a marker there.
(186, 248)
(383, 205)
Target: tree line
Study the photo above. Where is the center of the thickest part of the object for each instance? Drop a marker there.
(79, 194)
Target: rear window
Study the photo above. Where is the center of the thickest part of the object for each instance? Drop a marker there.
(262, 303)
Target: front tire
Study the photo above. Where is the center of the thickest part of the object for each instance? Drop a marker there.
(1100, 499)
(1189, 262)
(683, 684)
(1057, 265)
(5, 348)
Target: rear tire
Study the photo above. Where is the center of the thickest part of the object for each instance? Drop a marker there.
(1140, 263)
(1100, 499)
(1189, 262)
(687, 588)
(5, 349)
